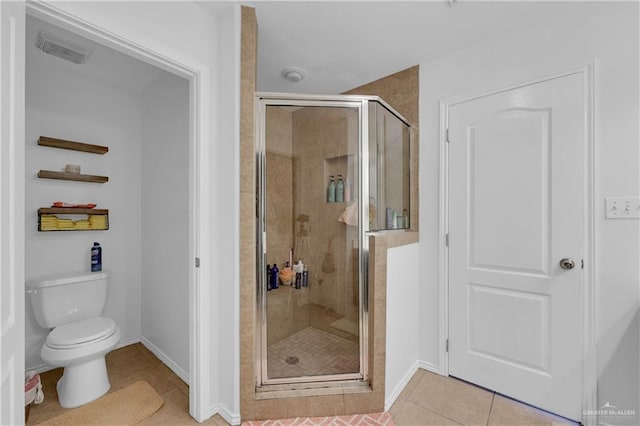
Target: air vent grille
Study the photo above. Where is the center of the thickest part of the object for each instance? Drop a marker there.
(54, 45)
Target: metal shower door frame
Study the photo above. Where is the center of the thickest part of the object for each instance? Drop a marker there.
(360, 103)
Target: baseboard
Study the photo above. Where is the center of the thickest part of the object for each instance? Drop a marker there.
(41, 368)
(166, 360)
(129, 341)
(390, 399)
(405, 380)
(232, 419)
(429, 367)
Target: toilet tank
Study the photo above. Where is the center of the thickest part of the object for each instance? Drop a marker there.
(62, 299)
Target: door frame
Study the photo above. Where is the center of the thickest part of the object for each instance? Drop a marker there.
(589, 365)
(198, 76)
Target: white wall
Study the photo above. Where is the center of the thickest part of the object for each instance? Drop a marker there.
(165, 221)
(610, 37)
(227, 230)
(72, 106)
(402, 319)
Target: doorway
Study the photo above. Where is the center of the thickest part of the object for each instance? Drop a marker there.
(195, 361)
(518, 238)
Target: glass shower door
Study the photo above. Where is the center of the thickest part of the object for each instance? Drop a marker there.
(310, 284)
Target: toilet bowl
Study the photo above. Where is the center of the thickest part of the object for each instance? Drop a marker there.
(80, 338)
(81, 348)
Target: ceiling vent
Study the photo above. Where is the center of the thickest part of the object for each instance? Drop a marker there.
(54, 45)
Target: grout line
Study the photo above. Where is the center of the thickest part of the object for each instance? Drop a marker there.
(493, 398)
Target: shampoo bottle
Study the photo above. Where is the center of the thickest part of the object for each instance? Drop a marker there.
(96, 258)
(347, 190)
(269, 277)
(305, 277)
(298, 268)
(331, 191)
(274, 276)
(340, 190)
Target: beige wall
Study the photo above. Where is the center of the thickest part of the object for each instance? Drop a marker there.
(324, 138)
(287, 308)
(248, 64)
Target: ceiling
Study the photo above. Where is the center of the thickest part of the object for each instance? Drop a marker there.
(104, 63)
(343, 45)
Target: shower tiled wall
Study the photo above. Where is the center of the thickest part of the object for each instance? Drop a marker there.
(324, 138)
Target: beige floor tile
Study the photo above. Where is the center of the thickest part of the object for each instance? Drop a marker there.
(128, 365)
(413, 415)
(506, 411)
(404, 395)
(217, 420)
(453, 398)
(428, 399)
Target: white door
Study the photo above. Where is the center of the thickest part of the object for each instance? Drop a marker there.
(515, 211)
(12, 30)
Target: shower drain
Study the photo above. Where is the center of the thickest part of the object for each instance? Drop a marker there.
(292, 360)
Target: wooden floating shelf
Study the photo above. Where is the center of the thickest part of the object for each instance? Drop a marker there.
(75, 146)
(48, 174)
(72, 210)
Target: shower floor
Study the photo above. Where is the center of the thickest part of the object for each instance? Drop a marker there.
(312, 352)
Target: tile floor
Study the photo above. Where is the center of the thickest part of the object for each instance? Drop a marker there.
(428, 399)
(127, 365)
(431, 399)
(316, 352)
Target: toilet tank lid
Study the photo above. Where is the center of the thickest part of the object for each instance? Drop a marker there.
(66, 279)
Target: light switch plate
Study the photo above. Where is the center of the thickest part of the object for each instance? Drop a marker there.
(622, 207)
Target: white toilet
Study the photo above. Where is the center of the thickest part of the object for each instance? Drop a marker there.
(80, 339)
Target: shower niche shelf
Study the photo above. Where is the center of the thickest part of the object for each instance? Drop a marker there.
(67, 211)
(340, 165)
(49, 174)
(74, 146)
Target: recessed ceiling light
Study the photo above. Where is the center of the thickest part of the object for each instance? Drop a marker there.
(293, 74)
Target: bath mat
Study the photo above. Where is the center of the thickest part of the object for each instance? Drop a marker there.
(126, 406)
(372, 419)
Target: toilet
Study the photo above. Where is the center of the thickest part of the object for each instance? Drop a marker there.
(80, 338)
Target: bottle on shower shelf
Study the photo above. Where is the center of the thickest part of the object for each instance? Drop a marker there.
(286, 274)
(274, 276)
(305, 277)
(297, 269)
(269, 273)
(340, 190)
(347, 190)
(331, 191)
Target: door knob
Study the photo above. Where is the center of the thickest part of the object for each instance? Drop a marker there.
(567, 263)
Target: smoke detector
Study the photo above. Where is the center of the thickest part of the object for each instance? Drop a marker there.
(293, 74)
(54, 45)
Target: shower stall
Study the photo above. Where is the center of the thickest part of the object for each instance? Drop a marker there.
(331, 169)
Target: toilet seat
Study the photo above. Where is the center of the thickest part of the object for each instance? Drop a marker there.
(80, 333)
